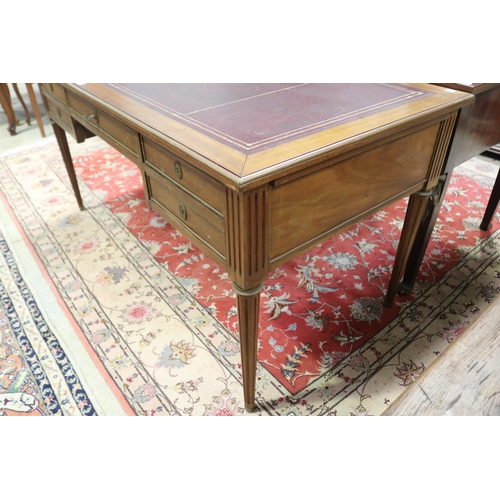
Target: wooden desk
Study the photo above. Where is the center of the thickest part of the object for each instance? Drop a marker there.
(477, 130)
(255, 174)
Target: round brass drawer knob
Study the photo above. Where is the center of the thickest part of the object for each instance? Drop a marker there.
(178, 170)
(182, 211)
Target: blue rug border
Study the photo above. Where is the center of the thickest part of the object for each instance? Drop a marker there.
(36, 367)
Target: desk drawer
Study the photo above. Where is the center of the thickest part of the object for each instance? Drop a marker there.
(118, 135)
(182, 173)
(58, 112)
(181, 208)
(55, 89)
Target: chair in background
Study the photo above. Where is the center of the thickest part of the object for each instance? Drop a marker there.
(5, 101)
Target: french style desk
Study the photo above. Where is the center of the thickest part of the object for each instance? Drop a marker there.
(255, 174)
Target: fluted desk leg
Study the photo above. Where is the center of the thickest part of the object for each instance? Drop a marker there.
(414, 214)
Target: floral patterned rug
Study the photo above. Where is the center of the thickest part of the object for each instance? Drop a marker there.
(160, 317)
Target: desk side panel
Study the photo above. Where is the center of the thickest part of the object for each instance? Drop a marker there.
(311, 208)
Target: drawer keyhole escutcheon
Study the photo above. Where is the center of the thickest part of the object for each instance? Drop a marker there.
(178, 170)
(183, 212)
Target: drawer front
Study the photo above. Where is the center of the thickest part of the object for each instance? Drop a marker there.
(182, 209)
(184, 174)
(55, 89)
(120, 136)
(58, 112)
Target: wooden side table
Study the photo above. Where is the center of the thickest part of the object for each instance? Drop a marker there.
(6, 103)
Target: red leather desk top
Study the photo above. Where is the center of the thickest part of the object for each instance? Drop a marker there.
(253, 117)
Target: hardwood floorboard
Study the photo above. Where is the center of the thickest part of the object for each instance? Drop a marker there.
(464, 380)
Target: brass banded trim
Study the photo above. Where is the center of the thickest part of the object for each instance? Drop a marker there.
(247, 293)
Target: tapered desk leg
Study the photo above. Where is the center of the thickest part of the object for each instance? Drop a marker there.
(434, 203)
(414, 214)
(68, 161)
(492, 205)
(248, 302)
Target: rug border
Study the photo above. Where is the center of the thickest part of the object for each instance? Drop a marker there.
(110, 383)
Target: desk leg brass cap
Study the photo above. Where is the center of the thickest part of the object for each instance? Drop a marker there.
(404, 288)
(250, 409)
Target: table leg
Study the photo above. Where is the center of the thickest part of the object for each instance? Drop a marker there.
(414, 215)
(434, 203)
(68, 161)
(7, 107)
(248, 302)
(23, 104)
(36, 109)
(492, 205)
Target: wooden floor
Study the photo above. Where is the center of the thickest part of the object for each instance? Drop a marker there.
(464, 380)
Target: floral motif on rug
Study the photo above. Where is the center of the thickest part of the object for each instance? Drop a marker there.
(162, 316)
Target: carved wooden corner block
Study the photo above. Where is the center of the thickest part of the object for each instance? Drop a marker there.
(247, 236)
(440, 151)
